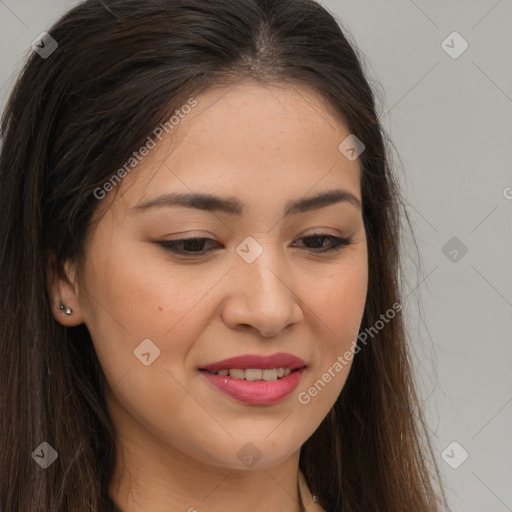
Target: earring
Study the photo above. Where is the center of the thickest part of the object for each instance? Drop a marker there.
(67, 311)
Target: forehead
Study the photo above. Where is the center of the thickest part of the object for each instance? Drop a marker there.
(250, 140)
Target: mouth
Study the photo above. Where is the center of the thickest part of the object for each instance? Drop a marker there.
(255, 374)
(255, 379)
(256, 367)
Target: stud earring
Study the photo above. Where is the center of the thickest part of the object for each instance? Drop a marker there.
(67, 311)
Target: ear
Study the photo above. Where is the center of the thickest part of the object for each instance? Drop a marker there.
(63, 290)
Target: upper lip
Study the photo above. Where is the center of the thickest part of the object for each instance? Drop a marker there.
(280, 360)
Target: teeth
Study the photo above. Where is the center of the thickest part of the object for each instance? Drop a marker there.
(252, 374)
(270, 374)
(237, 374)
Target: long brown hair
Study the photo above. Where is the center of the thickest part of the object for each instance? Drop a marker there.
(120, 69)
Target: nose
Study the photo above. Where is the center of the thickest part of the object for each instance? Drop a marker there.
(261, 297)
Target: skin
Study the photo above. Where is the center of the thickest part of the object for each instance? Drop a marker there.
(179, 436)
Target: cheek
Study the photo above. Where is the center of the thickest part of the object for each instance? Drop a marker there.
(337, 305)
(143, 322)
(143, 299)
(338, 301)
(130, 301)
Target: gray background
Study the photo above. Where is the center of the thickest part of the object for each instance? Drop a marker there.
(450, 120)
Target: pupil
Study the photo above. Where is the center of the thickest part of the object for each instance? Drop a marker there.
(196, 244)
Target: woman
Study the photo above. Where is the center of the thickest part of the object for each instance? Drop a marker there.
(200, 301)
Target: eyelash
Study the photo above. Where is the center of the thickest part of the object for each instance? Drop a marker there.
(338, 244)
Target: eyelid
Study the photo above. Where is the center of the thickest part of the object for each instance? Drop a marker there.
(338, 243)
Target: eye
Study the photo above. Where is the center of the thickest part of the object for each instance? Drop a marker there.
(194, 246)
(336, 242)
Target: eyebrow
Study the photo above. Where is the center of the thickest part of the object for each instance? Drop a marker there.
(232, 206)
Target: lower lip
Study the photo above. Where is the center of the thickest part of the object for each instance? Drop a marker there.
(256, 392)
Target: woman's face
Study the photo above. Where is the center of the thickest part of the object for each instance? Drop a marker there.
(259, 285)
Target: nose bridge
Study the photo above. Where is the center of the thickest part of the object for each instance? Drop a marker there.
(263, 272)
(262, 279)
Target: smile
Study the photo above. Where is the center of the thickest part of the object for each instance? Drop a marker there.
(255, 374)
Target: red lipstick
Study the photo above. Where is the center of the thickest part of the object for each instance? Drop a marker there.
(279, 360)
(256, 392)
